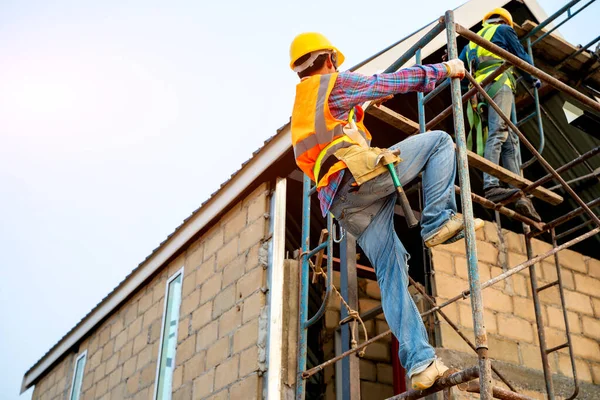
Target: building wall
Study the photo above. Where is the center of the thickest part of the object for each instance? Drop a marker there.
(509, 313)
(220, 351)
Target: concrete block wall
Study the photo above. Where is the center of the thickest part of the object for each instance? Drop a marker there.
(221, 334)
(509, 313)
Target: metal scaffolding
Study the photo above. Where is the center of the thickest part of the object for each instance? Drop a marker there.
(483, 371)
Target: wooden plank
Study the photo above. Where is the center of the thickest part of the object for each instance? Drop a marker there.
(394, 119)
(511, 178)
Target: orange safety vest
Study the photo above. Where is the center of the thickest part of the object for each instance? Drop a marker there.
(316, 134)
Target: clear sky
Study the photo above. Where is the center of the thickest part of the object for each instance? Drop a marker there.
(118, 118)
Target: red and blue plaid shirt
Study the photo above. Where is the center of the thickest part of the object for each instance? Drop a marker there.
(352, 89)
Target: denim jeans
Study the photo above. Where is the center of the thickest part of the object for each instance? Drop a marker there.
(501, 142)
(367, 212)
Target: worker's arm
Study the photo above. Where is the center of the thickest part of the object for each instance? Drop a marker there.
(511, 42)
(352, 88)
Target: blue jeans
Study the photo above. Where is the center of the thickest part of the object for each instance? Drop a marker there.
(501, 142)
(367, 212)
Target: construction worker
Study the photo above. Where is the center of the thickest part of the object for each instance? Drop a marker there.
(331, 146)
(500, 143)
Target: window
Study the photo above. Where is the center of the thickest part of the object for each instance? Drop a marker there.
(168, 337)
(78, 376)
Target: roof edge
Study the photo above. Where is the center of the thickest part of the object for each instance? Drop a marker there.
(273, 150)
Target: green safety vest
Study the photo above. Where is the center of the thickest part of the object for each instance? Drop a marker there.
(487, 62)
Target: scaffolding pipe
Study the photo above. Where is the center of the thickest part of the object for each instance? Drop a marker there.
(561, 169)
(436, 91)
(581, 50)
(594, 174)
(514, 270)
(442, 314)
(329, 244)
(559, 25)
(538, 114)
(498, 392)
(420, 103)
(569, 344)
(303, 303)
(441, 384)
(568, 216)
(517, 62)
(575, 229)
(550, 19)
(502, 210)
(485, 372)
(527, 144)
(462, 295)
(537, 307)
(442, 116)
(428, 37)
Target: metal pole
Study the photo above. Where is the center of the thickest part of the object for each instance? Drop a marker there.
(420, 103)
(565, 316)
(428, 37)
(594, 174)
(432, 302)
(517, 62)
(462, 295)
(514, 270)
(581, 50)
(303, 303)
(559, 25)
(541, 159)
(442, 383)
(485, 375)
(538, 114)
(329, 243)
(349, 290)
(436, 91)
(550, 19)
(561, 169)
(441, 116)
(568, 216)
(538, 316)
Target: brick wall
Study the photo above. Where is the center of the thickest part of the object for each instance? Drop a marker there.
(219, 353)
(509, 313)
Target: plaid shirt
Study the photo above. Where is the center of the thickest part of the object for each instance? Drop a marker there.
(352, 89)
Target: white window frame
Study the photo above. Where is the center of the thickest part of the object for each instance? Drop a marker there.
(162, 329)
(79, 357)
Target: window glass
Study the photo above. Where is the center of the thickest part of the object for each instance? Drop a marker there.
(78, 376)
(169, 338)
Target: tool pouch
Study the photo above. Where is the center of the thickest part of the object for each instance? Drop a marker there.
(365, 163)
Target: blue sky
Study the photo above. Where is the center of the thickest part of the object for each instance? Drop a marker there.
(118, 118)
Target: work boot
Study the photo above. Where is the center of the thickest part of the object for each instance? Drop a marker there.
(497, 193)
(451, 231)
(425, 379)
(525, 207)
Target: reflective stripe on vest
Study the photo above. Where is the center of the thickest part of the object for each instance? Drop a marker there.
(316, 134)
(488, 61)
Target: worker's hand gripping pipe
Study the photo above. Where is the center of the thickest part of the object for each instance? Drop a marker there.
(411, 220)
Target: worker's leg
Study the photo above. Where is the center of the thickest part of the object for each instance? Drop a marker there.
(498, 135)
(374, 227)
(431, 153)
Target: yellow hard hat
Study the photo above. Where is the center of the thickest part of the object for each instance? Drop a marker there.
(501, 12)
(308, 42)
